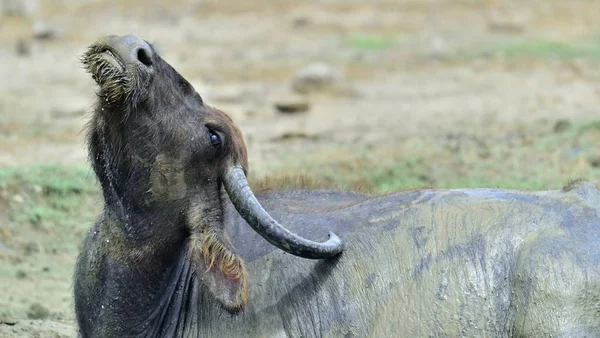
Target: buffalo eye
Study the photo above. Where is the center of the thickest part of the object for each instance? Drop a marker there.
(215, 139)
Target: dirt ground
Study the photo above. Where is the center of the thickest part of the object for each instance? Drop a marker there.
(453, 74)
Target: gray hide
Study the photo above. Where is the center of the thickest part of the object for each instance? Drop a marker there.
(429, 263)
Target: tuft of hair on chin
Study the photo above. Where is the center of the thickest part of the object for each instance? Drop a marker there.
(117, 87)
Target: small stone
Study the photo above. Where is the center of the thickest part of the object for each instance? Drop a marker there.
(251, 113)
(505, 27)
(31, 248)
(38, 311)
(21, 274)
(438, 48)
(44, 31)
(510, 23)
(594, 161)
(18, 199)
(46, 269)
(293, 135)
(561, 125)
(37, 188)
(292, 105)
(316, 77)
(23, 47)
(301, 21)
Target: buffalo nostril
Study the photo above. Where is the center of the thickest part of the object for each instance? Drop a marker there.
(144, 57)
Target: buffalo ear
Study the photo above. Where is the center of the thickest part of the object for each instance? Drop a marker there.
(221, 270)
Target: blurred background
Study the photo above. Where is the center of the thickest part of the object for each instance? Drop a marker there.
(382, 94)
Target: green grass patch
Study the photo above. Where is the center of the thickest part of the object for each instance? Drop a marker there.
(538, 48)
(54, 204)
(531, 159)
(368, 42)
(52, 179)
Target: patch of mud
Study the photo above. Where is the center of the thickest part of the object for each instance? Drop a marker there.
(36, 328)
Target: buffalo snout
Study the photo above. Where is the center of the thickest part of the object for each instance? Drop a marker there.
(131, 50)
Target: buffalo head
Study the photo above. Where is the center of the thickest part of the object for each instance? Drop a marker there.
(163, 157)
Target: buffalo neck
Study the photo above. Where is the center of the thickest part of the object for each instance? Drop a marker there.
(124, 179)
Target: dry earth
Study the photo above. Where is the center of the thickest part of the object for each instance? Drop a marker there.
(437, 70)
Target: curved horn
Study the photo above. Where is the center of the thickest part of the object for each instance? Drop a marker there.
(246, 204)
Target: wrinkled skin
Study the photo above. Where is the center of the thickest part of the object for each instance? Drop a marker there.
(171, 256)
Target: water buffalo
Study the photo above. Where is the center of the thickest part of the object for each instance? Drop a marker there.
(179, 248)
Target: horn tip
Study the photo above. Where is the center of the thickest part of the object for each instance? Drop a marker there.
(336, 243)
